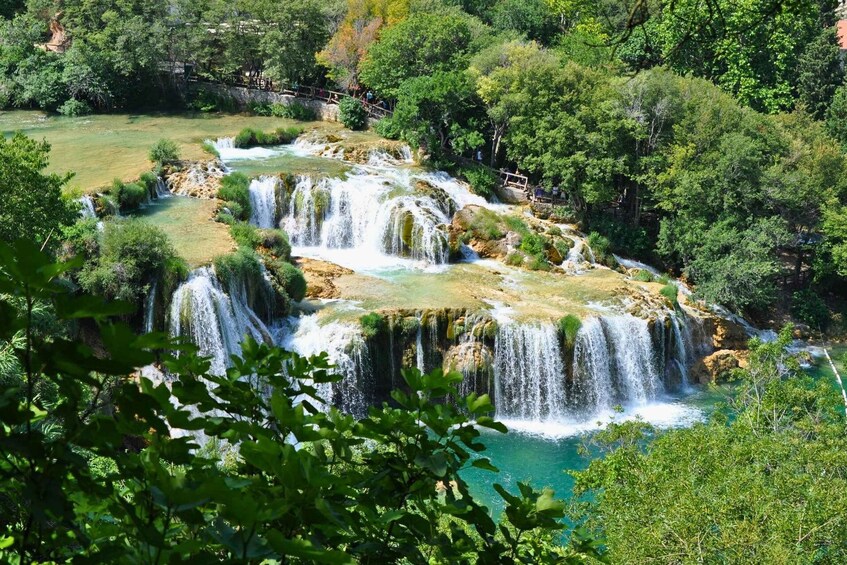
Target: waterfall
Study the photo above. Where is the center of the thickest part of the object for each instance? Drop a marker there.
(162, 190)
(529, 373)
(87, 208)
(369, 213)
(150, 307)
(346, 349)
(419, 350)
(213, 320)
(263, 202)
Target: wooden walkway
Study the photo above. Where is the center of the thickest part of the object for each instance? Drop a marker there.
(375, 111)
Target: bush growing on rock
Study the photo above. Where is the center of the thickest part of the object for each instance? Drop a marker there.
(602, 249)
(275, 242)
(209, 148)
(129, 196)
(294, 111)
(643, 275)
(289, 277)
(132, 254)
(149, 180)
(352, 113)
(481, 179)
(250, 137)
(568, 329)
(671, 292)
(164, 151)
(235, 187)
(372, 325)
(245, 235)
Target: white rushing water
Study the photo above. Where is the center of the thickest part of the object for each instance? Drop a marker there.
(86, 210)
(212, 319)
(345, 348)
(263, 201)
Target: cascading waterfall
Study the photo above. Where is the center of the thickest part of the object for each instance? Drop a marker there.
(369, 213)
(346, 349)
(263, 201)
(150, 307)
(213, 320)
(162, 190)
(87, 210)
(529, 373)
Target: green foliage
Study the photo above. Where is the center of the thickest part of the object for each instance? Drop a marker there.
(422, 45)
(209, 147)
(568, 327)
(836, 116)
(132, 255)
(235, 187)
(149, 180)
(671, 293)
(731, 484)
(348, 491)
(294, 111)
(245, 235)
(820, 73)
(208, 101)
(481, 179)
(643, 275)
(275, 242)
(487, 225)
(291, 279)
(249, 137)
(163, 151)
(32, 205)
(352, 113)
(810, 309)
(74, 107)
(129, 195)
(373, 324)
(602, 249)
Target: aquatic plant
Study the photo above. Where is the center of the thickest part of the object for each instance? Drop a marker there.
(373, 324)
(235, 187)
(163, 151)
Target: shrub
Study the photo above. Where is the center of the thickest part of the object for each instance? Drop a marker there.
(163, 151)
(563, 214)
(568, 329)
(207, 101)
(132, 253)
(515, 258)
(670, 292)
(810, 309)
(275, 241)
(554, 231)
(235, 187)
(74, 107)
(231, 209)
(563, 246)
(602, 249)
(388, 128)
(486, 225)
(290, 278)
(533, 244)
(294, 111)
(373, 324)
(243, 272)
(539, 263)
(149, 180)
(129, 196)
(516, 225)
(352, 113)
(260, 108)
(209, 148)
(245, 235)
(250, 137)
(482, 180)
(644, 275)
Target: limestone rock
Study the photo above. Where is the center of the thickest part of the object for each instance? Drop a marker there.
(320, 277)
(717, 366)
(729, 335)
(200, 179)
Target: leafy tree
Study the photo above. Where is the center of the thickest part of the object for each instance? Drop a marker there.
(346, 50)
(419, 45)
(439, 112)
(352, 114)
(763, 486)
(32, 204)
(279, 475)
(505, 75)
(132, 255)
(531, 18)
(836, 116)
(820, 73)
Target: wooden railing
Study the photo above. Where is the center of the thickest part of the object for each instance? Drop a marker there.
(374, 111)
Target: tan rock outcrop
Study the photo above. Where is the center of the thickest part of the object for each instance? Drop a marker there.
(199, 179)
(716, 367)
(320, 277)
